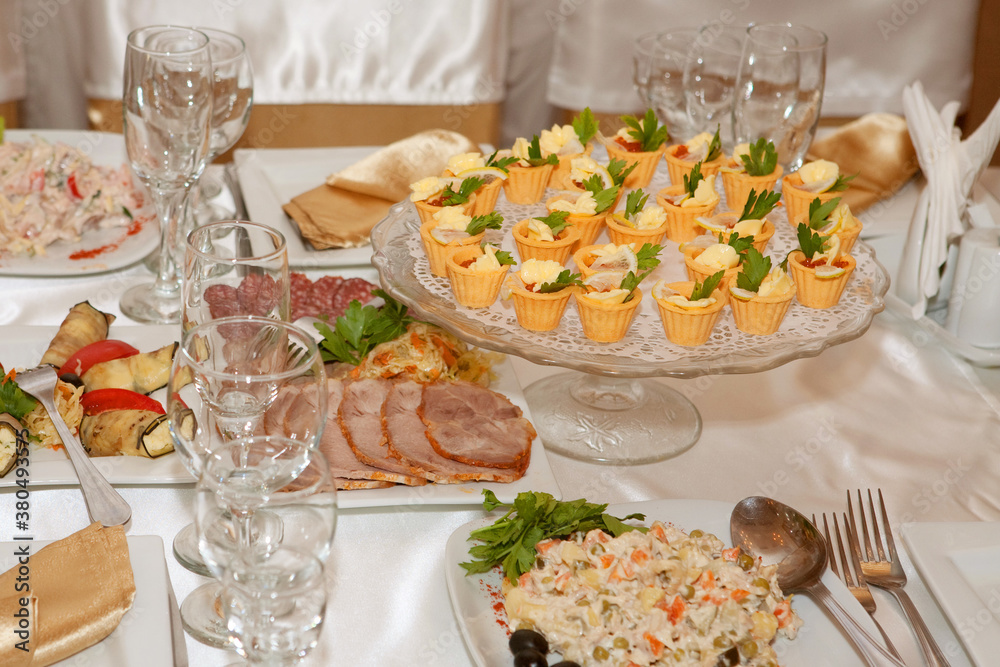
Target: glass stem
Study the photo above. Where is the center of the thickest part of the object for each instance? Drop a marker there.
(170, 205)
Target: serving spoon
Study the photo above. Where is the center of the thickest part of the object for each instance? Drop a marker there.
(778, 533)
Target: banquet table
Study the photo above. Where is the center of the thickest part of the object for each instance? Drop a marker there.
(892, 409)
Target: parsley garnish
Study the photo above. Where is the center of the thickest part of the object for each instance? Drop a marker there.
(634, 203)
(739, 243)
(585, 125)
(13, 400)
(469, 185)
(819, 213)
(535, 158)
(562, 281)
(128, 213)
(500, 163)
(556, 221)
(620, 169)
(481, 223)
(691, 181)
(762, 160)
(532, 518)
(714, 146)
(647, 260)
(755, 268)
(704, 289)
(361, 328)
(647, 132)
(503, 257)
(758, 206)
(810, 242)
(603, 197)
(841, 183)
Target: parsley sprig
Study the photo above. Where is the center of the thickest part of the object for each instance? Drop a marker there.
(361, 328)
(13, 400)
(759, 205)
(647, 259)
(603, 197)
(503, 257)
(535, 158)
(634, 203)
(585, 125)
(500, 162)
(762, 160)
(739, 243)
(556, 221)
(468, 185)
(842, 183)
(755, 268)
(647, 132)
(714, 146)
(819, 212)
(481, 223)
(703, 290)
(532, 518)
(562, 281)
(691, 181)
(620, 169)
(810, 241)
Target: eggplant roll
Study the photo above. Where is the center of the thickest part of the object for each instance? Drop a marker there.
(130, 433)
(83, 325)
(9, 428)
(144, 372)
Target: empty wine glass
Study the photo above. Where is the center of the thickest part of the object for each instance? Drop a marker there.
(167, 107)
(234, 267)
(659, 60)
(231, 378)
(257, 498)
(710, 79)
(779, 88)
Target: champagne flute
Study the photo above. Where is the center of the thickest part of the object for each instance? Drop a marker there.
(710, 79)
(779, 88)
(167, 108)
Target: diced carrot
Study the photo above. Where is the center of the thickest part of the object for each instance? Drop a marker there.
(639, 556)
(731, 554)
(677, 609)
(383, 358)
(655, 645)
(706, 580)
(446, 350)
(11, 374)
(416, 342)
(607, 560)
(739, 594)
(522, 581)
(545, 545)
(783, 612)
(658, 532)
(562, 580)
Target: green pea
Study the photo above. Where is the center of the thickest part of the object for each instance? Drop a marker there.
(745, 561)
(687, 591)
(601, 653)
(620, 642)
(720, 642)
(761, 582)
(748, 648)
(697, 533)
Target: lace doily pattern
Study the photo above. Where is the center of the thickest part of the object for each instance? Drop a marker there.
(645, 351)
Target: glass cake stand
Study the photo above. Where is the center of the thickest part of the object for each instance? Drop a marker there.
(609, 408)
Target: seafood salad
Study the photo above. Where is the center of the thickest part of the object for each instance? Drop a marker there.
(52, 192)
(660, 597)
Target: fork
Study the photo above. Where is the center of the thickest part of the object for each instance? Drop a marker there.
(104, 504)
(888, 574)
(859, 590)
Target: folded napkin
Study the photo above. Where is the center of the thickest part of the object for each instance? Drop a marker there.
(341, 212)
(80, 587)
(876, 147)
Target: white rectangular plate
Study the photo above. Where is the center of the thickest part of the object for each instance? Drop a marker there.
(111, 248)
(819, 644)
(143, 636)
(23, 346)
(270, 177)
(960, 563)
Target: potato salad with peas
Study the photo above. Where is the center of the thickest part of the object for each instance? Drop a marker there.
(660, 597)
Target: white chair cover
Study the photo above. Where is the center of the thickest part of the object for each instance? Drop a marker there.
(876, 47)
(13, 84)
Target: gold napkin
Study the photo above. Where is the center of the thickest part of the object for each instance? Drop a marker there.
(342, 212)
(80, 587)
(877, 147)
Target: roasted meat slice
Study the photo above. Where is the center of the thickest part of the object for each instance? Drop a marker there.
(407, 441)
(469, 423)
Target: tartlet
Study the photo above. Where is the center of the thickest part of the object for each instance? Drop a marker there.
(621, 232)
(681, 159)
(681, 224)
(526, 185)
(473, 288)
(589, 225)
(558, 250)
(688, 326)
(605, 322)
(698, 272)
(537, 311)
(438, 253)
(761, 315)
(737, 183)
(817, 292)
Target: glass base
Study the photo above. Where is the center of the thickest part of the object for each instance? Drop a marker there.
(619, 421)
(202, 618)
(186, 551)
(146, 304)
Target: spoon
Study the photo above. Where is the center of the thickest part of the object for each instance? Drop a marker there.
(777, 533)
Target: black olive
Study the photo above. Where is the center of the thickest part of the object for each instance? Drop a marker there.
(72, 378)
(529, 657)
(527, 639)
(730, 658)
(566, 663)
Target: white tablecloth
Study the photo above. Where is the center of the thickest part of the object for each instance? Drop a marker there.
(890, 410)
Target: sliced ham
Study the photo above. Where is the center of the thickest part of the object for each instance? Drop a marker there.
(360, 416)
(471, 424)
(406, 440)
(351, 484)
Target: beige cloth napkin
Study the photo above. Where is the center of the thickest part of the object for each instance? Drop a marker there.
(342, 212)
(878, 149)
(80, 587)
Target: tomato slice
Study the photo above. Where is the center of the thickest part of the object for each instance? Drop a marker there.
(88, 355)
(101, 400)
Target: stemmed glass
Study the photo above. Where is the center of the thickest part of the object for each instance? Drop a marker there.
(233, 378)
(779, 88)
(710, 79)
(167, 107)
(265, 507)
(658, 63)
(234, 267)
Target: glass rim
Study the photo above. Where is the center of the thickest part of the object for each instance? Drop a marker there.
(235, 223)
(242, 45)
(131, 40)
(312, 348)
(819, 39)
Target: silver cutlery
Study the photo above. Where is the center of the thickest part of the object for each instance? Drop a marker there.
(104, 504)
(887, 573)
(850, 571)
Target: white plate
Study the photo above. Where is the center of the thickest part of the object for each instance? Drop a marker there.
(112, 248)
(960, 563)
(23, 346)
(143, 636)
(270, 177)
(820, 643)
